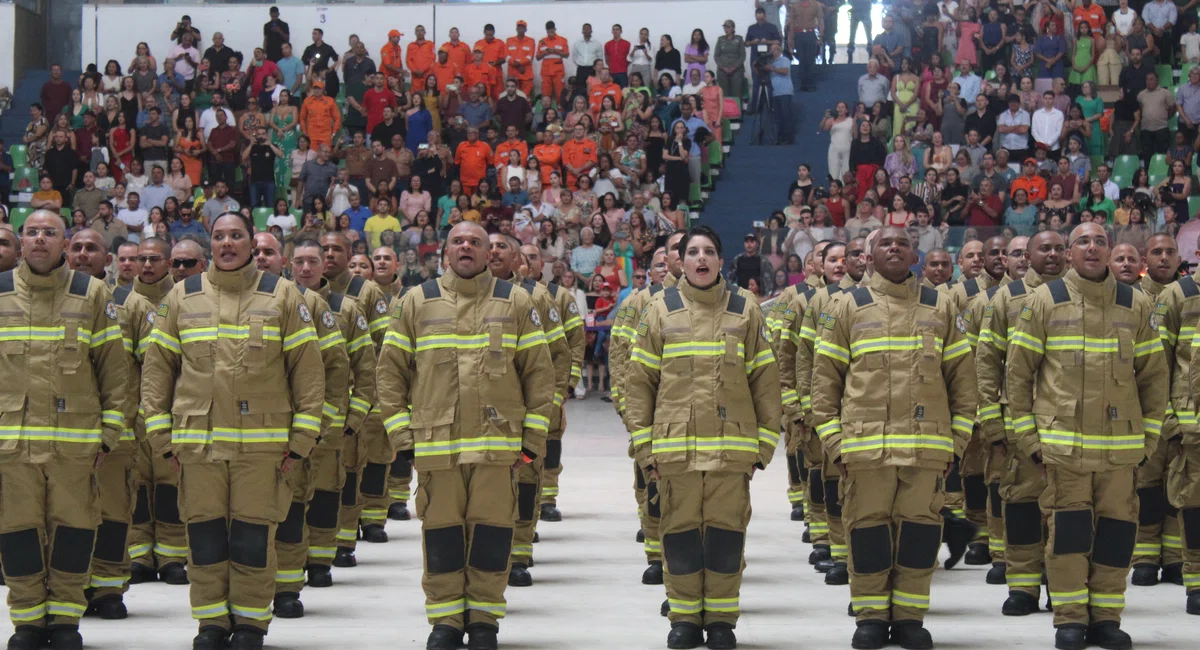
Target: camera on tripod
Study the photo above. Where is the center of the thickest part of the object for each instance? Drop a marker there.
(762, 64)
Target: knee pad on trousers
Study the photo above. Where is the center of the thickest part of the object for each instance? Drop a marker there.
(918, 545)
(323, 509)
(997, 504)
(1023, 523)
(553, 454)
(21, 553)
(490, 548)
(209, 542)
(1152, 505)
(72, 549)
(1115, 540)
(653, 504)
(141, 508)
(975, 492)
(639, 480)
(833, 507)
(111, 541)
(291, 531)
(723, 550)
(248, 544)
(684, 552)
(793, 470)
(817, 486)
(350, 490)
(871, 548)
(374, 480)
(166, 504)
(1189, 517)
(802, 469)
(1072, 531)
(527, 494)
(954, 479)
(401, 468)
(445, 549)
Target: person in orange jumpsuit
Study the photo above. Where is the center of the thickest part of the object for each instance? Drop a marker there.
(511, 144)
(605, 86)
(579, 155)
(552, 51)
(478, 71)
(444, 70)
(521, 50)
(472, 158)
(419, 59)
(391, 58)
(459, 53)
(320, 118)
(494, 54)
(549, 155)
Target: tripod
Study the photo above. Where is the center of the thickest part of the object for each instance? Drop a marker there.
(763, 115)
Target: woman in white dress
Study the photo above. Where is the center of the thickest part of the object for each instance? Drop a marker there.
(841, 131)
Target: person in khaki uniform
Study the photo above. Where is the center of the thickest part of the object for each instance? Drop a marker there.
(1159, 542)
(157, 537)
(703, 409)
(56, 428)
(1087, 381)
(1021, 483)
(399, 477)
(291, 539)
(233, 389)
(467, 353)
(893, 447)
(115, 478)
(503, 258)
(369, 456)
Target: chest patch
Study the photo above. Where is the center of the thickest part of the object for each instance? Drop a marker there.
(380, 306)
(327, 320)
(305, 315)
(110, 310)
(533, 316)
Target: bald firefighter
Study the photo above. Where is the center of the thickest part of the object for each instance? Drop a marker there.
(399, 478)
(1126, 264)
(467, 353)
(115, 477)
(1021, 483)
(938, 268)
(1087, 383)
(703, 409)
(894, 398)
(368, 457)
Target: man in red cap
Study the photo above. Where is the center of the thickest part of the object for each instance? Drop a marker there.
(391, 58)
(1033, 184)
(521, 49)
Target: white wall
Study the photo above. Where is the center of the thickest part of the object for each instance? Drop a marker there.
(113, 31)
(8, 28)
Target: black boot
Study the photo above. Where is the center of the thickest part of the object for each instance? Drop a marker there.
(797, 512)
(819, 552)
(536, 539)
(398, 511)
(1108, 635)
(550, 513)
(850, 610)
(344, 558)
(720, 636)
(640, 538)
(870, 635)
(174, 574)
(210, 637)
(824, 566)
(319, 576)
(481, 637)
(1193, 603)
(997, 574)
(444, 637)
(374, 534)
(1070, 637)
(664, 609)
(246, 638)
(977, 554)
(1019, 603)
(685, 635)
(27, 637)
(956, 533)
(288, 605)
(1144, 575)
(109, 608)
(139, 573)
(653, 575)
(806, 537)
(518, 576)
(911, 635)
(838, 575)
(65, 638)
(1173, 573)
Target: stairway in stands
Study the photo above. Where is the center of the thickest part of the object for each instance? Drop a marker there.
(754, 180)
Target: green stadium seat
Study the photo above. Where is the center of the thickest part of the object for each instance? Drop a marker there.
(1158, 169)
(25, 179)
(260, 218)
(1125, 166)
(299, 215)
(716, 156)
(18, 153)
(1193, 206)
(1166, 74)
(17, 217)
(694, 197)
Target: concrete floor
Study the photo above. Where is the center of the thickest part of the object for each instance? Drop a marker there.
(587, 591)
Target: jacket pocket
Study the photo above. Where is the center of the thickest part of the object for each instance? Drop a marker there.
(265, 419)
(670, 442)
(12, 420)
(1128, 437)
(433, 444)
(497, 361)
(1123, 362)
(190, 422)
(264, 346)
(931, 359)
(741, 443)
(862, 441)
(70, 355)
(503, 434)
(733, 364)
(78, 431)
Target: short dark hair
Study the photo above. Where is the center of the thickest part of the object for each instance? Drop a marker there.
(700, 231)
(241, 217)
(550, 24)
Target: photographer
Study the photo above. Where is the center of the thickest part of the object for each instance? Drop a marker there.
(184, 26)
(260, 156)
(781, 91)
(759, 38)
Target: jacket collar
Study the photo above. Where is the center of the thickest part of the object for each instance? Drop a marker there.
(718, 293)
(56, 278)
(237, 280)
(468, 286)
(1033, 279)
(1088, 289)
(907, 289)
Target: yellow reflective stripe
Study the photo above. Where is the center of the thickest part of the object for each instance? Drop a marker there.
(50, 434)
(1172, 541)
(1058, 598)
(789, 397)
(555, 334)
(641, 436)
(698, 349)
(360, 405)
(790, 335)
(535, 421)
(1024, 423)
(105, 335)
(330, 340)
(559, 398)
(1152, 426)
(807, 333)
(727, 605)
(301, 337)
(495, 609)
(572, 322)
(62, 608)
(245, 436)
(252, 613)
(890, 344)
(652, 361)
(898, 441)
(127, 434)
(683, 606)
(1028, 342)
(1075, 439)
(397, 421)
(467, 445)
(398, 340)
(360, 343)
(437, 610)
(381, 322)
(138, 550)
(871, 602)
(972, 340)
(1111, 601)
(115, 418)
(165, 341)
(962, 424)
(289, 575)
(322, 552)
(233, 332)
(829, 428)
(329, 410)
(576, 371)
(695, 443)
(768, 436)
(102, 582)
(532, 339)
(761, 359)
(465, 341)
(211, 611)
(956, 350)
(156, 422)
(306, 422)
(916, 601)
(522, 549)
(806, 402)
(1085, 343)
(167, 550)
(1023, 579)
(832, 351)
(27, 614)
(1146, 348)
(989, 412)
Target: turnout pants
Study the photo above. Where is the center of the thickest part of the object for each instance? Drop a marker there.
(48, 518)
(992, 474)
(467, 515)
(832, 479)
(1183, 486)
(157, 537)
(649, 513)
(975, 489)
(893, 517)
(1093, 528)
(294, 538)
(354, 460)
(373, 484)
(399, 481)
(553, 466)
(704, 519)
(328, 474)
(1158, 541)
(1021, 486)
(110, 559)
(797, 471)
(232, 509)
(529, 486)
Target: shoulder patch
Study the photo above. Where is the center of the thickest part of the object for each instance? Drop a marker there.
(673, 300)
(7, 283)
(528, 285)
(987, 311)
(1026, 314)
(654, 290)
(1187, 285)
(960, 323)
(1058, 292)
(354, 289)
(305, 315)
(1125, 296)
(79, 283)
(327, 320)
(381, 306)
(929, 296)
(533, 316)
(194, 284)
(552, 287)
(862, 296)
(361, 321)
(121, 294)
(992, 291)
(553, 314)
(431, 289)
(737, 303)
(1017, 288)
(502, 289)
(110, 310)
(267, 283)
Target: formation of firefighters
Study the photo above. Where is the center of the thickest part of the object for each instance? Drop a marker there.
(239, 432)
